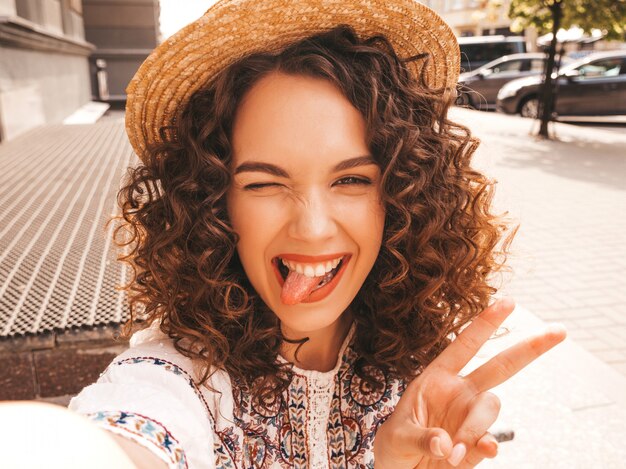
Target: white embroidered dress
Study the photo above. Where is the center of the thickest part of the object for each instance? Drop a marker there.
(323, 420)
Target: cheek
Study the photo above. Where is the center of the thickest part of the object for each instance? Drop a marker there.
(254, 221)
(366, 217)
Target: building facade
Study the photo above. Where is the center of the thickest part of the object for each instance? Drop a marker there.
(124, 33)
(474, 17)
(44, 72)
(51, 50)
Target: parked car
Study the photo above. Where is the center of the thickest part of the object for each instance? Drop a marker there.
(479, 89)
(594, 85)
(476, 51)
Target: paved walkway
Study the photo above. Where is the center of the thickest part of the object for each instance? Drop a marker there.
(569, 196)
(567, 409)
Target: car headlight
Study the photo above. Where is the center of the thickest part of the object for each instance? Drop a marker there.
(507, 92)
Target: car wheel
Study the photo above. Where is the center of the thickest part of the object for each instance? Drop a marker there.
(530, 108)
(464, 100)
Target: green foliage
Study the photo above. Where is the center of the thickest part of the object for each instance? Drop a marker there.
(607, 15)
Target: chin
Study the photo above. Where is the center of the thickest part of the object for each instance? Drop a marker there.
(309, 317)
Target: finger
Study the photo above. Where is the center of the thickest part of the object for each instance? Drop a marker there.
(487, 446)
(473, 459)
(508, 362)
(483, 412)
(435, 443)
(468, 342)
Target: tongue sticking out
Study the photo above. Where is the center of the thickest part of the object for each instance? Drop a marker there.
(297, 287)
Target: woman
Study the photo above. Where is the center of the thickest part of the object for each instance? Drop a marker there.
(307, 236)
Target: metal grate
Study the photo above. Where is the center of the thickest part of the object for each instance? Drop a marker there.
(58, 267)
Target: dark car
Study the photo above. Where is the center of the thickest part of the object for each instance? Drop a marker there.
(479, 89)
(594, 85)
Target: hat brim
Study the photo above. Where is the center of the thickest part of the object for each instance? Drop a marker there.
(233, 29)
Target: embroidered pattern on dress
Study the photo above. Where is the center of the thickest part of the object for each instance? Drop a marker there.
(336, 439)
(286, 434)
(147, 429)
(298, 417)
(226, 441)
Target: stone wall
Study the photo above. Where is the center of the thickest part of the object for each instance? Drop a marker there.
(56, 366)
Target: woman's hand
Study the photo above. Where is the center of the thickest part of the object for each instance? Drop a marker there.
(442, 418)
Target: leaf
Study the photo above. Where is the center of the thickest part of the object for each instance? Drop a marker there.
(606, 15)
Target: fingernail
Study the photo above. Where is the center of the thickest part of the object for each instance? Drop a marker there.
(435, 447)
(458, 453)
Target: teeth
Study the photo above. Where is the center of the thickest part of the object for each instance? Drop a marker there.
(312, 270)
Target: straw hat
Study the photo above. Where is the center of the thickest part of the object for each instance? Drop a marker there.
(233, 29)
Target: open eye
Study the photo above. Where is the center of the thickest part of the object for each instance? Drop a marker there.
(352, 180)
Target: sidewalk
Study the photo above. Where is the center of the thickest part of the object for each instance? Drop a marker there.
(567, 409)
(569, 198)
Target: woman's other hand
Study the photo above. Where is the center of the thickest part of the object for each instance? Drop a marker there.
(442, 419)
(37, 435)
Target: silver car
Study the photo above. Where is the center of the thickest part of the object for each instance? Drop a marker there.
(479, 89)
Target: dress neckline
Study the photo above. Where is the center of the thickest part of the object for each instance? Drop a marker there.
(153, 333)
(324, 376)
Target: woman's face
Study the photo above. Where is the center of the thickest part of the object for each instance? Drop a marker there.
(305, 190)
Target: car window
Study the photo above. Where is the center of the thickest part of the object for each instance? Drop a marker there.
(508, 66)
(601, 68)
(536, 65)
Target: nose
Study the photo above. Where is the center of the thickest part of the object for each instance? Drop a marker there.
(312, 217)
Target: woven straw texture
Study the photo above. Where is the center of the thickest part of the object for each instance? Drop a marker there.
(233, 29)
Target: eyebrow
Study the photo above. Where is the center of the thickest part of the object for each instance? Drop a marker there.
(259, 166)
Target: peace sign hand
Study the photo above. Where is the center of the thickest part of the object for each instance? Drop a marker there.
(442, 418)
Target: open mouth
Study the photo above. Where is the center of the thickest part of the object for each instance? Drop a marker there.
(308, 279)
(284, 271)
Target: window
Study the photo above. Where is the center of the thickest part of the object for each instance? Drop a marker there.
(537, 65)
(508, 66)
(601, 68)
(488, 51)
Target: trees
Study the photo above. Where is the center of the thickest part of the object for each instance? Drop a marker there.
(550, 15)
